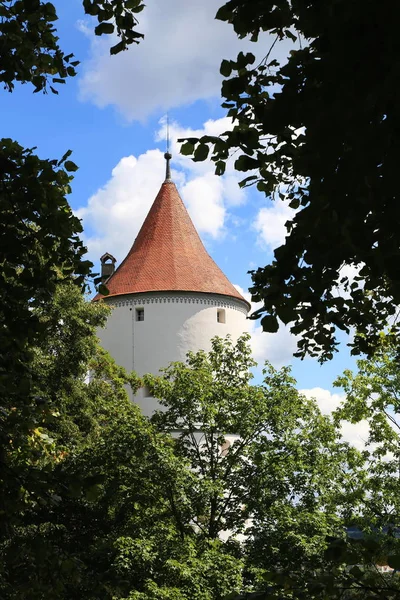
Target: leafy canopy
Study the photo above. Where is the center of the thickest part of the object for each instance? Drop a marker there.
(39, 249)
(50, 445)
(316, 131)
(349, 567)
(267, 468)
(42, 358)
(113, 506)
(373, 395)
(30, 52)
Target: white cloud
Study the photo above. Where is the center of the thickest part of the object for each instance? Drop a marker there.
(355, 433)
(204, 199)
(270, 224)
(115, 213)
(326, 401)
(176, 64)
(278, 348)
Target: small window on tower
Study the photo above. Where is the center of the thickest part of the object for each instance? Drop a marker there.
(220, 315)
(140, 314)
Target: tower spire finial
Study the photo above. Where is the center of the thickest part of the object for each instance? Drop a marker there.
(168, 155)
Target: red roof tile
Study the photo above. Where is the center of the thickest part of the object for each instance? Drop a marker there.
(168, 255)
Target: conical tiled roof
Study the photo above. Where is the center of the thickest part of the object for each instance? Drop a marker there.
(168, 255)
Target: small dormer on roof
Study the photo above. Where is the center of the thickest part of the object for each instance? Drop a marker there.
(107, 266)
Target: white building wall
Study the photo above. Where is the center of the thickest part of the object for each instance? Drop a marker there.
(174, 324)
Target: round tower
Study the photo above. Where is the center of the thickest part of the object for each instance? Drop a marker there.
(168, 295)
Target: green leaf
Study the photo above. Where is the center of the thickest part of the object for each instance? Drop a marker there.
(356, 572)
(286, 314)
(201, 153)
(187, 149)
(118, 48)
(107, 28)
(70, 166)
(246, 163)
(64, 157)
(270, 323)
(92, 493)
(220, 167)
(226, 68)
(134, 5)
(223, 13)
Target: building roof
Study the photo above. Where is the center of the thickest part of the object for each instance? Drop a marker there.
(168, 255)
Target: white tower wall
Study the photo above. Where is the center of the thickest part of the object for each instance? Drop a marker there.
(174, 323)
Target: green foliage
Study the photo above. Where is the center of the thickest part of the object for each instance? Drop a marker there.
(43, 474)
(39, 250)
(349, 567)
(104, 510)
(127, 511)
(281, 478)
(316, 131)
(254, 487)
(110, 505)
(373, 395)
(39, 236)
(30, 53)
(49, 414)
(34, 425)
(46, 342)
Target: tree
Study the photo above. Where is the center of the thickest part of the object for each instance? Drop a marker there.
(316, 131)
(83, 508)
(42, 472)
(70, 525)
(350, 567)
(269, 467)
(128, 511)
(87, 483)
(373, 394)
(40, 246)
(39, 250)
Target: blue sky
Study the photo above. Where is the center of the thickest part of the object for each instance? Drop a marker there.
(111, 116)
